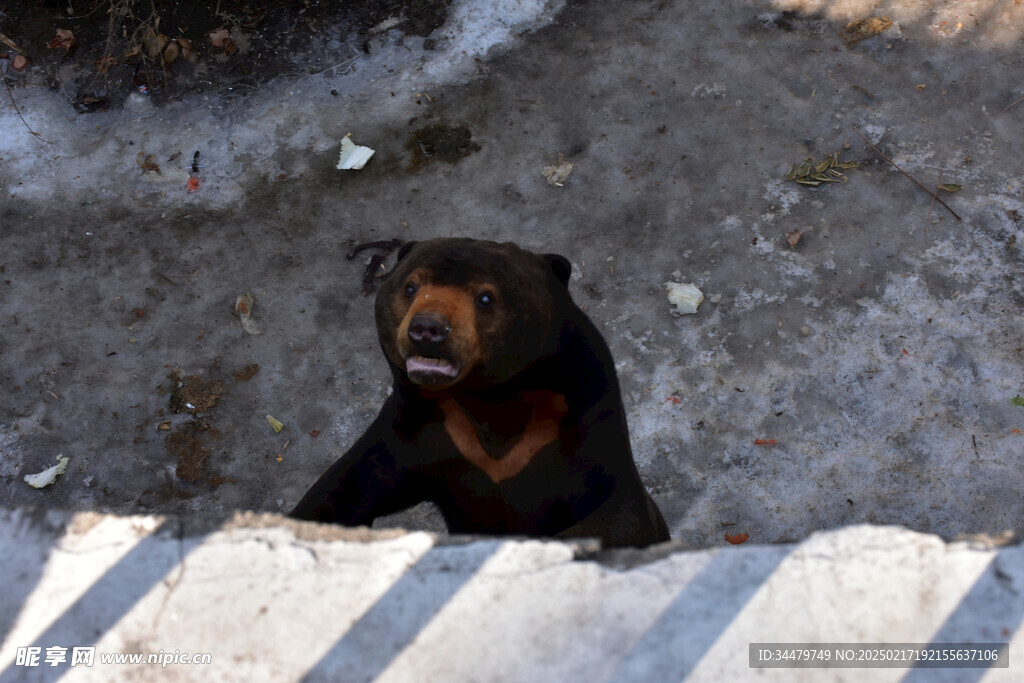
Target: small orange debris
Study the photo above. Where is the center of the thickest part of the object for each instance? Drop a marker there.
(737, 539)
(765, 442)
(104, 64)
(193, 184)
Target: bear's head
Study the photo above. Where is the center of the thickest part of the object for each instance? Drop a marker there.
(470, 313)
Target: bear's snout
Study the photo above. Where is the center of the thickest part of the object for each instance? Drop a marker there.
(428, 330)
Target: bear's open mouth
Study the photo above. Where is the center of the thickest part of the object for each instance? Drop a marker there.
(425, 370)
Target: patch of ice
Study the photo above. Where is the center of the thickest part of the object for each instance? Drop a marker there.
(475, 26)
(746, 300)
(782, 196)
(872, 132)
(84, 155)
(704, 91)
(731, 223)
(762, 245)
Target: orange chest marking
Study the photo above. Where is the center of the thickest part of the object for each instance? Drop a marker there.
(542, 427)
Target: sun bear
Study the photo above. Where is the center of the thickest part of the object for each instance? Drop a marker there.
(505, 412)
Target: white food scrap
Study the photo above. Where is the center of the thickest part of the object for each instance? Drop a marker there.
(48, 476)
(275, 423)
(353, 157)
(685, 297)
(244, 304)
(557, 173)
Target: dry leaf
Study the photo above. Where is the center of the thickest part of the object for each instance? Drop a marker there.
(856, 31)
(812, 173)
(64, 39)
(219, 37)
(19, 62)
(171, 51)
(154, 43)
(737, 539)
(793, 237)
(187, 51)
(222, 38)
(146, 162)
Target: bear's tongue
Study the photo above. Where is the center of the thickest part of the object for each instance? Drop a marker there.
(424, 369)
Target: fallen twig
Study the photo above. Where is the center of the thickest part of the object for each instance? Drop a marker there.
(1013, 104)
(11, 44)
(10, 93)
(165, 278)
(348, 62)
(933, 195)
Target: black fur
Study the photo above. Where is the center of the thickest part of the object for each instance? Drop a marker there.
(534, 339)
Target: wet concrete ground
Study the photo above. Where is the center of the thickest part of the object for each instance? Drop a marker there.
(867, 374)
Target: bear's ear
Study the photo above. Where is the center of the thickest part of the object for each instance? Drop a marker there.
(405, 249)
(560, 266)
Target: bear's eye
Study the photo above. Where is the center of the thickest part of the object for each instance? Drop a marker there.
(485, 299)
(410, 290)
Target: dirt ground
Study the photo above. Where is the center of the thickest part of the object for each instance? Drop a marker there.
(857, 356)
(98, 51)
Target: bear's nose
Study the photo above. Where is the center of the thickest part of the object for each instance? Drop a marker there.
(426, 328)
